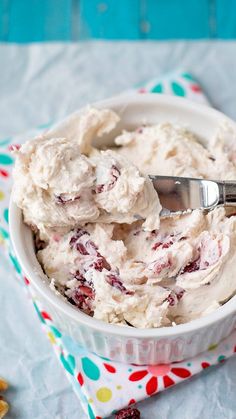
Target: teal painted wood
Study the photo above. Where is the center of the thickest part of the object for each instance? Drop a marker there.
(39, 20)
(180, 19)
(157, 19)
(110, 19)
(226, 19)
(65, 20)
(4, 19)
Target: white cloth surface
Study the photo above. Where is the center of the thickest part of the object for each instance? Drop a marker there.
(40, 84)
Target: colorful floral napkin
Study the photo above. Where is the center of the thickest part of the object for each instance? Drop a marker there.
(180, 84)
(104, 386)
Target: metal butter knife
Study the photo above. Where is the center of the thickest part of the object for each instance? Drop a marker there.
(181, 194)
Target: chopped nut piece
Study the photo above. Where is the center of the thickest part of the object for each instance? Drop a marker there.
(3, 384)
(4, 407)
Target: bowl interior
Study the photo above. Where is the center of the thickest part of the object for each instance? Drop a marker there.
(134, 110)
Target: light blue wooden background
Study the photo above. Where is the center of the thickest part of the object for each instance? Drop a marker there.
(70, 20)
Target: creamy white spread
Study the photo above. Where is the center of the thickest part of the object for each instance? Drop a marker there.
(96, 218)
(58, 186)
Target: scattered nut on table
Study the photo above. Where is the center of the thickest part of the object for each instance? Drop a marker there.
(4, 406)
(3, 384)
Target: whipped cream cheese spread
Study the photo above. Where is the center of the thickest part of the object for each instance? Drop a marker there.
(98, 234)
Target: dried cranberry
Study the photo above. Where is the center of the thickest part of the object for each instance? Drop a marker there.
(179, 294)
(129, 413)
(61, 200)
(172, 299)
(79, 233)
(175, 295)
(86, 291)
(156, 245)
(192, 266)
(77, 275)
(81, 302)
(83, 290)
(114, 173)
(82, 249)
(91, 247)
(99, 188)
(115, 281)
(82, 297)
(164, 243)
(167, 244)
(159, 265)
(101, 263)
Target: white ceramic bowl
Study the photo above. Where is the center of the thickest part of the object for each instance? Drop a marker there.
(150, 346)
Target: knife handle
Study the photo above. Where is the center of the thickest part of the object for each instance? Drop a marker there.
(227, 192)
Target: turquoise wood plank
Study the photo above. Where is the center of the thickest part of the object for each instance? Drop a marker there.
(4, 19)
(226, 19)
(39, 20)
(151, 19)
(176, 19)
(51, 20)
(110, 19)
